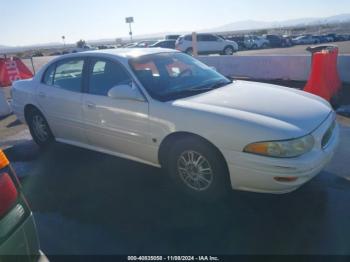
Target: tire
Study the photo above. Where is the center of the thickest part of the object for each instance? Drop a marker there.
(228, 50)
(212, 183)
(189, 51)
(39, 129)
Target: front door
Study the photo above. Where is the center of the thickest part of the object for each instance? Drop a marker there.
(116, 125)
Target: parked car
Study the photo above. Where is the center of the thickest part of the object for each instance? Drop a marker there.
(130, 45)
(206, 44)
(288, 39)
(166, 109)
(341, 38)
(278, 41)
(305, 40)
(145, 43)
(172, 37)
(17, 227)
(347, 37)
(165, 44)
(37, 54)
(55, 53)
(239, 40)
(103, 47)
(82, 49)
(322, 39)
(255, 42)
(335, 37)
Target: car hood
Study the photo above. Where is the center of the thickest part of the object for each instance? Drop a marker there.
(264, 104)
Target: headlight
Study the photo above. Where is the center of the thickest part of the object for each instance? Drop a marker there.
(282, 149)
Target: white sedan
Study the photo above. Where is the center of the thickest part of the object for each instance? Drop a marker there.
(166, 109)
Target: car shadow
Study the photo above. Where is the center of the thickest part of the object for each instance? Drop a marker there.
(139, 206)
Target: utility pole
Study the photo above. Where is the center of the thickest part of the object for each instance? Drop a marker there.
(130, 20)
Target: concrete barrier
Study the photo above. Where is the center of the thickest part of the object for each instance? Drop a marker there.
(271, 67)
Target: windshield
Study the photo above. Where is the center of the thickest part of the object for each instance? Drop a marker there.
(169, 76)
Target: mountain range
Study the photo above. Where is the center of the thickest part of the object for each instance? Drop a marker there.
(254, 24)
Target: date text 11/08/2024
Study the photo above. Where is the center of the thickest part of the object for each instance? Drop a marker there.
(173, 258)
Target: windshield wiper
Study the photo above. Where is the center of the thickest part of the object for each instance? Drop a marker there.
(211, 86)
(197, 89)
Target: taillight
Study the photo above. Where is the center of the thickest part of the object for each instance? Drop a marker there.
(8, 190)
(8, 193)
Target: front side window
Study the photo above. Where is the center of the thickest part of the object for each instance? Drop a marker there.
(212, 38)
(106, 74)
(168, 76)
(49, 75)
(68, 75)
(188, 37)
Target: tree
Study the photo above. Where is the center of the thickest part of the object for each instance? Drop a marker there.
(81, 43)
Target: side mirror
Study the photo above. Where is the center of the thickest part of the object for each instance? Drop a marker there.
(126, 92)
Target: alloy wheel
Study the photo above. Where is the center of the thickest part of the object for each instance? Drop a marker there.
(195, 170)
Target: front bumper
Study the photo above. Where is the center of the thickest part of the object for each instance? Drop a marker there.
(254, 173)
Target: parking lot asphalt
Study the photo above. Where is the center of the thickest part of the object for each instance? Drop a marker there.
(90, 203)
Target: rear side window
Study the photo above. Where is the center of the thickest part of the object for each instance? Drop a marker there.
(68, 75)
(207, 38)
(106, 74)
(49, 75)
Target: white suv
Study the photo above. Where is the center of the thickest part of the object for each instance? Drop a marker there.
(206, 44)
(255, 42)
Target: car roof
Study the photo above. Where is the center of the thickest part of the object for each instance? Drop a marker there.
(166, 40)
(127, 52)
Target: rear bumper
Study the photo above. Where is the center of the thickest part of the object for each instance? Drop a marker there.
(23, 242)
(256, 173)
(42, 257)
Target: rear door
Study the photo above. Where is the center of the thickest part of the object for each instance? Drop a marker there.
(116, 125)
(202, 45)
(60, 98)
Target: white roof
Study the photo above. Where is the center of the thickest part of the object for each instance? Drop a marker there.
(130, 52)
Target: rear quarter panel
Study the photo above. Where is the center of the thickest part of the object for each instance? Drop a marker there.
(23, 93)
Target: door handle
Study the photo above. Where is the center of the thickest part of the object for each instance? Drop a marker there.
(90, 105)
(42, 94)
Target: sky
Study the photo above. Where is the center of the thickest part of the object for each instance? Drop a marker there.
(26, 22)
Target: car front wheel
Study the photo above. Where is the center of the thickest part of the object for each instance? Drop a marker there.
(228, 50)
(39, 129)
(198, 169)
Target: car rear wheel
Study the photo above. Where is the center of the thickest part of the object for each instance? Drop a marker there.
(39, 128)
(228, 50)
(198, 169)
